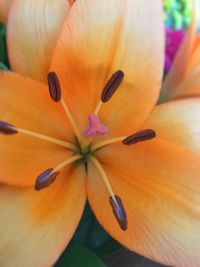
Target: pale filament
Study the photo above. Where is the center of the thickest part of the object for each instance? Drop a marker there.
(71, 119)
(98, 107)
(108, 142)
(105, 178)
(46, 138)
(66, 162)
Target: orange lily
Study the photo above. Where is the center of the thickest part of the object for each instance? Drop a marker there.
(146, 195)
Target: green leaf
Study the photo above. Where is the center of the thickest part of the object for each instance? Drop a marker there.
(89, 232)
(84, 226)
(79, 256)
(96, 236)
(108, 248)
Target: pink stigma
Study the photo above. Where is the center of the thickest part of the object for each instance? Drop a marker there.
(95, 127)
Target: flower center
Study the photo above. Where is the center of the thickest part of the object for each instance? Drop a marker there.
(84, 151)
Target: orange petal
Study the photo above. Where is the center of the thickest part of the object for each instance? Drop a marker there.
(190, 85)
(197, 41)
(98, 40)
(4, 9)
(36, 226)
(177, 122)
(181, 60)
(159, 185)
(26, 104)
(195, 57)
(33, 27)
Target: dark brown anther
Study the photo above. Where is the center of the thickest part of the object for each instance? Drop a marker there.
(45, 179)
(54, 86)
(112, 85)
(140, 136)
(119, 212)
(7, 129)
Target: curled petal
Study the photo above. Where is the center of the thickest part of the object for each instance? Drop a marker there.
(177, 122)
(190, 85)
(179, 66)
(33, 27)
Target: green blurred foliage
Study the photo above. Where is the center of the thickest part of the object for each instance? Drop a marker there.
(77, 255)
(3, 51)
(177, 13)
(90, 235)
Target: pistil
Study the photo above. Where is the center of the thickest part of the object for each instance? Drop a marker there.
(95, 127)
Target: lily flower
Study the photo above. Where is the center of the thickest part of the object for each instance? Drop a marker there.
(95, 132)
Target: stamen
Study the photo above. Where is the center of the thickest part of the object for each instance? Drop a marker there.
(112, 85)
(140, 136)
(46, 138)
(46, 178)
(71, 119)
(119, 212)
(67, 162)
(115, 201)
(54, 86)
(110, 88)
(105, 178)
(55, 93)
(6, 128)
(107, 142)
